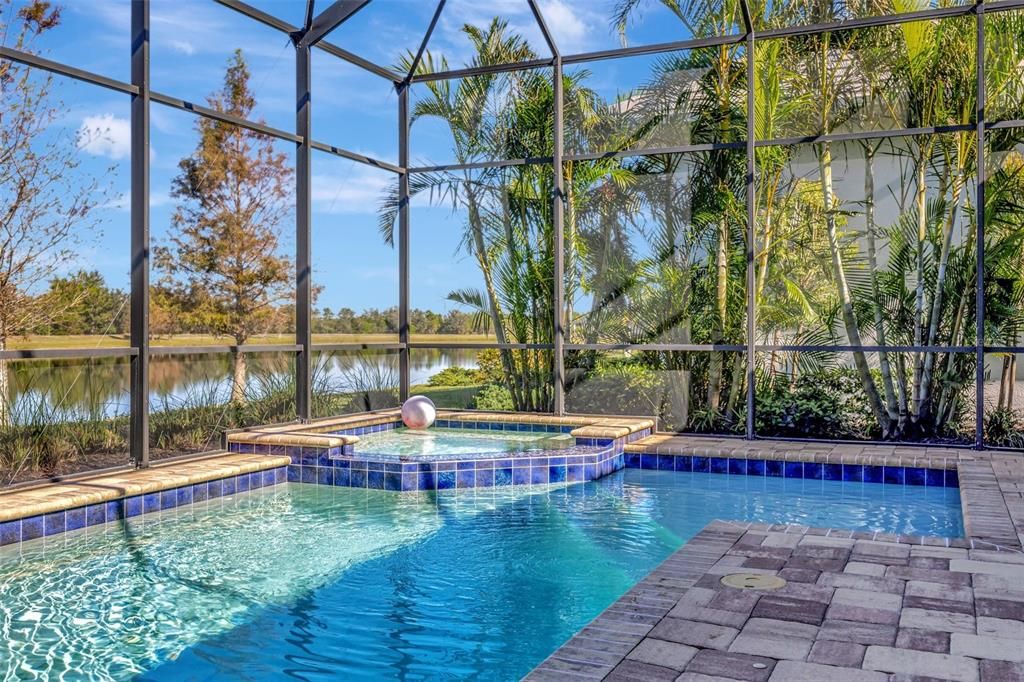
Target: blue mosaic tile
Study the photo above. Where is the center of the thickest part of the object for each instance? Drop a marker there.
(914, 476)
(503, 476)
(832, 472)
(342, 477)
(269, 477)
(853, 473)
(952, 478)
(812, 470)
(184, 495)
(357, 478)
(168, 499)
(794, 469)
(445, 480)
(375, 480)
(893, 475)
(701, 465)
(539, 475)
(557, 473)
(521, 476)
(574, 473)
(53, 523)
(425, 481)
(648, 461)
(872, 474)
(10, 532)
(683, 463)
(150, 502)
(96, 514)
(935, 477)
(590, 472)
(666, 463)
(465, 478)
(75, 519)
(325, 475)
(123, 509)
(633, 460)
(216, 488)
(31, 528)
(307, 474)
(755, 467)
(409, 482)
(392, 481)
(294, 474)
(738, 467)
(774, 467)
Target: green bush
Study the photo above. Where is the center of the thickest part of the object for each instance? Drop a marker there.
(495, 398)
(457, 376)
(822, 404)
(1004, 428)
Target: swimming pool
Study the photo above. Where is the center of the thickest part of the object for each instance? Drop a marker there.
(322, 582)
(449, 444)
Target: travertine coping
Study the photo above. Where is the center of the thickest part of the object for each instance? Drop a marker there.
(822, 453)
(319, 433)
(55, 497)
(312, 440)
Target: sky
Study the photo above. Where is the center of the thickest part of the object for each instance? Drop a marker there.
(192, 41)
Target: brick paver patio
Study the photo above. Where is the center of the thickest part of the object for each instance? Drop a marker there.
(855, 606)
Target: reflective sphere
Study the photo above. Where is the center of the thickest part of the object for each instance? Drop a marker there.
(418, 412)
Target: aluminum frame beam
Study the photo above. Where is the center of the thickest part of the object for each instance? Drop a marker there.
(283, 26)
(303, 233)
(331, 18)
(138, 428)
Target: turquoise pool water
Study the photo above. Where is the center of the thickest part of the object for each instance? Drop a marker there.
(322, 583)
(457, 443)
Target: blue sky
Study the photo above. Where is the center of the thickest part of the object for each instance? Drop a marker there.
(191, 42)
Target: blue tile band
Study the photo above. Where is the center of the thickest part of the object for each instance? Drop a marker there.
(851, 473)
(55, 523)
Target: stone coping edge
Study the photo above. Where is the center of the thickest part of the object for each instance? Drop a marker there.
(58, 497)
(319, 434)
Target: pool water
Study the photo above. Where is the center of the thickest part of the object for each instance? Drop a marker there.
(458, 443)
(320, 582)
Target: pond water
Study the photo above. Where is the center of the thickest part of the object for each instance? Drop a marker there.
(71, 388)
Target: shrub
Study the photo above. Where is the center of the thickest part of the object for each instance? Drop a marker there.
(1004, 428)
(457, 376)
(495, 398)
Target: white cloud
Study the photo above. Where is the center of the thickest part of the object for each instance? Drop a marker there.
(356, 192)
(572, 28)
(183, 46)
(106, 135)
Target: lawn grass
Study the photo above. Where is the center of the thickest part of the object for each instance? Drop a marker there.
(448, 397)
(121, 340)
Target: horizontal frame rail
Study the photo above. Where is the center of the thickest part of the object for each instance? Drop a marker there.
(69, 353)
(480, 346)
(29, 59)
(323, 347)
(213, 350)
(668, 347)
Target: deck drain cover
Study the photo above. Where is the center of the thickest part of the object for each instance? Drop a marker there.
(753, 581)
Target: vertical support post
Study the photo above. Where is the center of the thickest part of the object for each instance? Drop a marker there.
(403, 240)
(979, 237)
(558, 303)
(303, 236)
(139, 302)
(751, 236)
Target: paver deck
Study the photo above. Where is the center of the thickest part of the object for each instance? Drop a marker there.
(855, 607)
